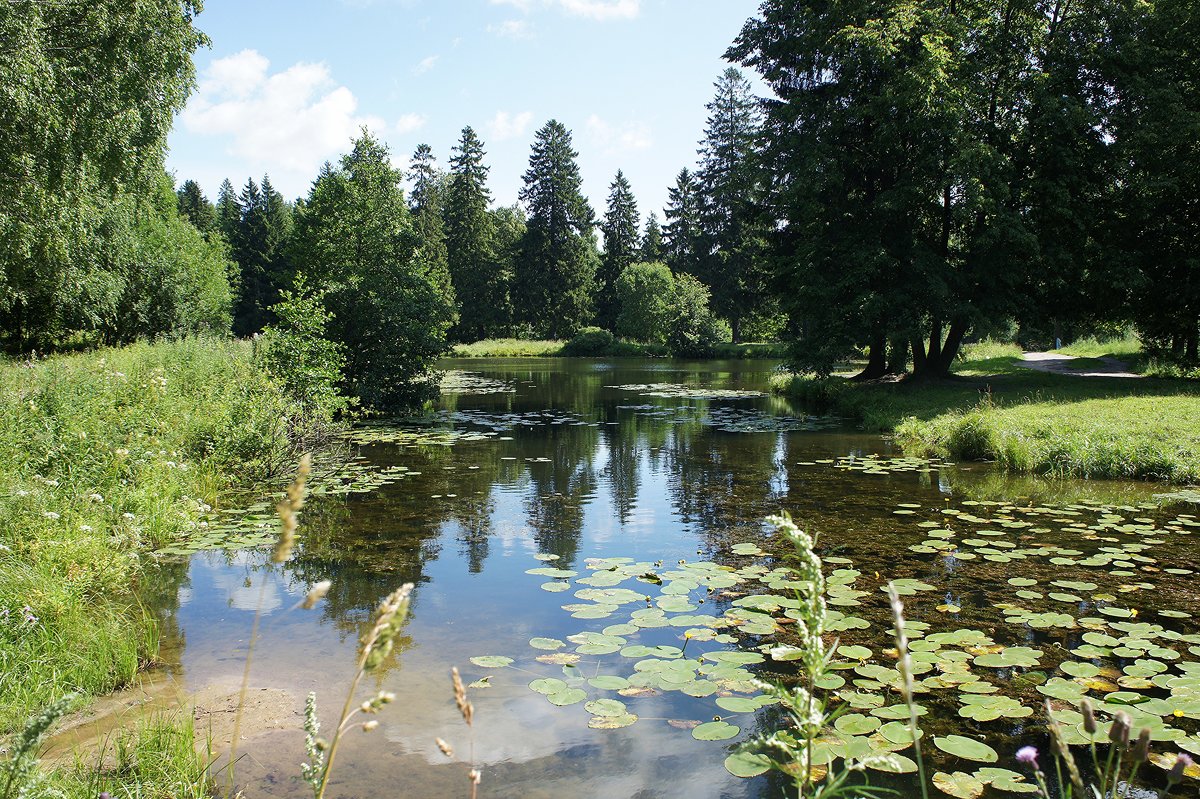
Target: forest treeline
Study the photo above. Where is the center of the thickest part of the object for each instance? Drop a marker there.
(920, 173)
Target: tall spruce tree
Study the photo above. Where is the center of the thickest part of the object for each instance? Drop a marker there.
(731, 185)
(481, 290)
(195, 207)
(651, 249)
(681, 235)
(426, 203)
(557, 268)
(228, 212)
(621, 248)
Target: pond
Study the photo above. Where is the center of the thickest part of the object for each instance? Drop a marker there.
(600, 523)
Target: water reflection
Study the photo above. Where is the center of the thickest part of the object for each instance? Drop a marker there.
(577, 469)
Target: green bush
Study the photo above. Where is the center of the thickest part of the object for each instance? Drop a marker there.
(694, 331)
(645, 297)
(296, 351)
(591, 342)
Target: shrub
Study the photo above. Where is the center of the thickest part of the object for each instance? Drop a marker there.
(646, 298)
(591, 342)
(694, 332)
(297, 353)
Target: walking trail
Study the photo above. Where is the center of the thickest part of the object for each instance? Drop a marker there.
(1059, 364)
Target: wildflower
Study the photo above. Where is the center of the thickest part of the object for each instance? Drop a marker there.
(85, 528)
(128, 516)
(1089, 718)
(1141, 750)
(1175, 775)
(1028, 755)
(1118, 733)
(51, 515)
(370, 725)
(96, 497)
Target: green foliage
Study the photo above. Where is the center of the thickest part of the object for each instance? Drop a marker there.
(481, 283)
(259, 244)
(652, 248)
(508, 348)
(681, 234)
(591, 342)
(731, 183)
(557, 266)
(89, 91)
(103, 456)
(295, 350)
(646, 296)
(356, 241)
(427, 204)
(621, 248)
(18, 776)
(157, 759)
(195, 207)
(695, 331)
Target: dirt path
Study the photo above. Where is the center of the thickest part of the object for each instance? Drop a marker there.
(1059, 364)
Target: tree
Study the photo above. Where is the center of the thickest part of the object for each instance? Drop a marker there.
(894, 139)
(195, 207)
(645, 295)
(1154, 65)
(426, 204)
(228, 212)
(694, 331)
(652, 248)
(681, 235)
(355, 241)
(620, 231)
(482, 292)
(88, 90)
(557, 267)
(260, 247)
(730, 186)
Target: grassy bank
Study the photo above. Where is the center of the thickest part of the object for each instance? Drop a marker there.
(104, 456)
(1028, 421)
(553, 348)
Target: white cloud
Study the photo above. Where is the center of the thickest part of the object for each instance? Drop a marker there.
(284, 123)
(511, 29)
(508, 126)
(425, 65)
(618, 138)
(410, 123)
(601, 10)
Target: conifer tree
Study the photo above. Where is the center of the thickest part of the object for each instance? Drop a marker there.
(681, 235)
(620, 231)
(195, 207)
(651, 250)
(426, 204)
(481, 291)
(228, 212)
(730, 185)
(557, 268)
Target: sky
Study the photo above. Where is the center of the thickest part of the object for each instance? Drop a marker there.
(286, 86)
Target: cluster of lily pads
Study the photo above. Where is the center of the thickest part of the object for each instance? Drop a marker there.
(676, 390)
(1067, 631)
(456, 381)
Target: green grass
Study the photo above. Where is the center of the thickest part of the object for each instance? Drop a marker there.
(156, 760)
(1028, 421)
(509, 348)
(1124, 349)
(104, 456)
(552, 348)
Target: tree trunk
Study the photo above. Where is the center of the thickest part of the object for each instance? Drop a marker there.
(935, 342)
(897, 357)
(920, 359)
(876, 360)
(958, 330)
(735, 326)
(1191, 351)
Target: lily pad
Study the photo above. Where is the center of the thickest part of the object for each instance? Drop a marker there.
(966, 748)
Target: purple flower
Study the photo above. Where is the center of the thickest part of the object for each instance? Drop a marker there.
(1028, 755)
(104, 796)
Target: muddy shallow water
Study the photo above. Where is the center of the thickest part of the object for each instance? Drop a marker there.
(659, 462)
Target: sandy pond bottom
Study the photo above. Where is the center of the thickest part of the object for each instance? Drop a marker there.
(587, 545)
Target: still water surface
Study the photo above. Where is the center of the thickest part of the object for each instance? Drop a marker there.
(558, 461)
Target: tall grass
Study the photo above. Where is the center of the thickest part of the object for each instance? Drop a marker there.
(104, 456)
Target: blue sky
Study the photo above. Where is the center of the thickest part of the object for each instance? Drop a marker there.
(286, 85)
